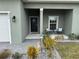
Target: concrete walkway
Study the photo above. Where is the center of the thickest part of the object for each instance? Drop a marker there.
(22, 48)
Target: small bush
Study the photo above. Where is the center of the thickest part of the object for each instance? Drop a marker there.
(78, 37)
(17, 55)
(72, 36)
(5, 54)
(49, 45)
(32, 52)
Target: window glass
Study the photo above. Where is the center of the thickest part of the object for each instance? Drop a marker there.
(53, 22)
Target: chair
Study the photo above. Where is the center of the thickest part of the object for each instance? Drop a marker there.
(60, 30)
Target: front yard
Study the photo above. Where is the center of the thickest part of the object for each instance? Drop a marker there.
(68, 50)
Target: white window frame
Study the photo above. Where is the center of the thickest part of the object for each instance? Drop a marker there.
(56, 22)
(8, 12)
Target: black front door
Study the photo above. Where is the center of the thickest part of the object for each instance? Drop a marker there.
(34, 24)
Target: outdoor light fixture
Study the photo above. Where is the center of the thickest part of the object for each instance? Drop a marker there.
(13, 19)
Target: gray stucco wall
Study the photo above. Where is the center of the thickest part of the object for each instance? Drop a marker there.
(68, 22)
(53, 12)
(75, 13)
(19, 29)
(14, 7)
(24, 22)
(75, 21)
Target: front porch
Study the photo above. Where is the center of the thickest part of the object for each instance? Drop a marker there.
(33, 36)
(56, 21)
(38, 36)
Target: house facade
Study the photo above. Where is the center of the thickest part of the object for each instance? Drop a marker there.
(34, 16)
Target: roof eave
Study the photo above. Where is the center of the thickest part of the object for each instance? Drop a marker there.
(25, 1)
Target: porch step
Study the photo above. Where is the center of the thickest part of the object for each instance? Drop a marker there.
(38, 36)
(33, 36)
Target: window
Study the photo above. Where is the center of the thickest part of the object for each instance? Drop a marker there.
(53, 22)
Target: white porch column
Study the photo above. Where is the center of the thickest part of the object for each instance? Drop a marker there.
(41, 20)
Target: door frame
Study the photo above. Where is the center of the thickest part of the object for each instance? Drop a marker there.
(30, 25)
(8, 13)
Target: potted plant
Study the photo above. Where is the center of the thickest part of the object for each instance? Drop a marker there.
(17, 55)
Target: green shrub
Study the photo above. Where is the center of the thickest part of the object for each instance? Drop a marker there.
(17, 55)
(77, 37)
(72, 36)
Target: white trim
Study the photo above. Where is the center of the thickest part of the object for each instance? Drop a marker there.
(8, 12)
(41, 9)
(30, 24)
(9, 27)
(56, 23)
(41, 21)
(48, 23)
(5, 12)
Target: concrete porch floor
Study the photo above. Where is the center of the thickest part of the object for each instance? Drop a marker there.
(38, 36)
(33, 36)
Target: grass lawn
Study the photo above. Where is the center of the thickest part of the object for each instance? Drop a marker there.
(68, 50)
